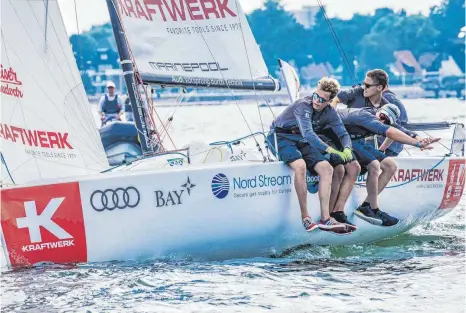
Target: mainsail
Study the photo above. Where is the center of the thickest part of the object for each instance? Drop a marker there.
(197, 43)
(46, 126)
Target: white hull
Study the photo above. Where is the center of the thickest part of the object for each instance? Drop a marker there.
(251, 220)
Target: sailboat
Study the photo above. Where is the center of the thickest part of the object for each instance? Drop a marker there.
(62, 203)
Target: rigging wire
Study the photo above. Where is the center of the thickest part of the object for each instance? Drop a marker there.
(230, 90)
(139, 81)
(338, 44)
(254, 86)
(345, 57)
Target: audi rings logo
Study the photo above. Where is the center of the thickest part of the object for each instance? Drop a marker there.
(110, 199)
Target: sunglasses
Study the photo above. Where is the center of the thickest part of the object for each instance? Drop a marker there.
(318, 98)
(384, 119)
(369, 85)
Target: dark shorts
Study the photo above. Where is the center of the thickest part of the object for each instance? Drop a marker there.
(390, 153)
(366, 153)
(292, 147)
(387, 152)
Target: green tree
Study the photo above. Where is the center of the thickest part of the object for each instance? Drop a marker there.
(279, 35)
(337, 41)
(448, 18)
(415, 33)
(84, 48)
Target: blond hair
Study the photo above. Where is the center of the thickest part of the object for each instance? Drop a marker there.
(330, 85)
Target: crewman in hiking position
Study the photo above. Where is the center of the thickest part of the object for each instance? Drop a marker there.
(295, 135)
(375, 93)
(365, 122)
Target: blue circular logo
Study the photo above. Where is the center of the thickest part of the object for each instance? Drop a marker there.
(220, 186)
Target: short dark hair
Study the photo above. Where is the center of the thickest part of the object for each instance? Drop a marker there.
(378, 76)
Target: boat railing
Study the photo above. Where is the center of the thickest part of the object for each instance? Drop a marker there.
(268, 145)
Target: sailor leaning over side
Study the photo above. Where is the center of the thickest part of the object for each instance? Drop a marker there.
(295, 132)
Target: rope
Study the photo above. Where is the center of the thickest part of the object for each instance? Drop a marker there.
(337, 42)
(7, 169)
(210, 150)
(254, 87)
(139, 81)
(230, 90)
(437, 142)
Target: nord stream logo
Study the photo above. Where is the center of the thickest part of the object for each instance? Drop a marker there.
(220, 186)
(248, 186)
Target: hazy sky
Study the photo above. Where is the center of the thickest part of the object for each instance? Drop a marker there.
(91, 12)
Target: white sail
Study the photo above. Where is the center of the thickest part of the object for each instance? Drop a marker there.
(291, 79)
(459, 140)
(198, 38)
(46, 126)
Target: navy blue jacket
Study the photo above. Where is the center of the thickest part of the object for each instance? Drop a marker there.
(312, 123)
(362, 123)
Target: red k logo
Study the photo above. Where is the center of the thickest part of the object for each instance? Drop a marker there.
(32, 221)
(44, 224)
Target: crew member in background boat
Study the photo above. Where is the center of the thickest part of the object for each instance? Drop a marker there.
(372, 94)
(128, 109)
(296, 132)
(110, 105)
(362, 123)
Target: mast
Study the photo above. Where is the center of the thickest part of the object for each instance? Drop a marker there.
(128, 72)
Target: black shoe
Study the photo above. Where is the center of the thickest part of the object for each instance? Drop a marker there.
(387, 220)
(341, 218)
(365, 213)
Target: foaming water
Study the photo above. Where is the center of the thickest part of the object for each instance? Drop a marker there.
(419, 271)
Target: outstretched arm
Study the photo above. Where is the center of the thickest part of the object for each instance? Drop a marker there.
(401, 137)
(386, 143)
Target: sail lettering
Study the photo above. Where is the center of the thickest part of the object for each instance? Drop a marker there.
(32, 138)
(9, 77)
(140, 11)
(209, 10)
(193, 7)
(188, 67)
(176, 10)
(35, 138)
(223, 7)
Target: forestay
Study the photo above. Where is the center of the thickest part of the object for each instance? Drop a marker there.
(46, 126)
(205, 43)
